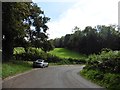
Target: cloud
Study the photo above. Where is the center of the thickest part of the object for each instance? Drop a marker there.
(85, 13)
(36, 1)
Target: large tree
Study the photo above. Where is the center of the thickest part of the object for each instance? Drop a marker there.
(17, 21)
(14, 15)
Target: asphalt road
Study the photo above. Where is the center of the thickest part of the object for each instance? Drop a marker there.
(51, 77)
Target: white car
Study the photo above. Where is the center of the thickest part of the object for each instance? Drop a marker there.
(40, 63)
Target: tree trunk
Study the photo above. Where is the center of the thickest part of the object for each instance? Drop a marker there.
(7, 49)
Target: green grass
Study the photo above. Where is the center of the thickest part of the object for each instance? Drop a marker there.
(0, 70)
(110, 81)
(0, 63)
(15, 67)
(65, 53)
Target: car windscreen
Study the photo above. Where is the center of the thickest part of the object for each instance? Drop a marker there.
(40, 60)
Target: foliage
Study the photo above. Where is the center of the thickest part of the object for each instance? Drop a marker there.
(0, 70)
(58, 60)
(18, 17)
(47, 46)
(106, 61)
(14, 67)
(36, 53)
(12, 23)
(65, 56)
(104, 69)
(19, 50)
(91, 40)
(31, 55)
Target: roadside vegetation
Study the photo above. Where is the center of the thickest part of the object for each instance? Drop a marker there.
(22, 61)
(57, 56)
(0, 64)
(98, 47)
(101, 44)
(0, 70)
(15, 67)
(104, 69)
(17, 36)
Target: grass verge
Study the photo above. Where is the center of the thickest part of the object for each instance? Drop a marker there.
(15, 67)
(0, 70)
(108, 80)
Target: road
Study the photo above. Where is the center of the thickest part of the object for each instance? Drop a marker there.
(51, 77)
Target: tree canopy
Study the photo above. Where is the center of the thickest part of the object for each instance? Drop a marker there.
(17, 20)
(91, 40)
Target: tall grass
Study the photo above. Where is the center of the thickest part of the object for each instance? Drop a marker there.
(14, 67)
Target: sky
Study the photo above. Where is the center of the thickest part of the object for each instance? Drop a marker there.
(67, 14)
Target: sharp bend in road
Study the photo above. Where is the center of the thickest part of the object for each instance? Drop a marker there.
(52, 77)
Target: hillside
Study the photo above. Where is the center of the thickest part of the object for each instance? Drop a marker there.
(65, 53)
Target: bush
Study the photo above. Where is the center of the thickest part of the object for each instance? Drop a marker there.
(104, 69)
(111, 80)
(92, 74)
(53, 59)
(106, 61)
(36, 53)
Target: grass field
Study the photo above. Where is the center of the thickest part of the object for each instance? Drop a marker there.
(65, 53)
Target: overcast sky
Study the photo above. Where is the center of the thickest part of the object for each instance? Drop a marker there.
(67, 14)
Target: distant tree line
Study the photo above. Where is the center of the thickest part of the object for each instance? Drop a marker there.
(91, 40)
(17, 20)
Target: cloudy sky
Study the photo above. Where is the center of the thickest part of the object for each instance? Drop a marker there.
(67, 14)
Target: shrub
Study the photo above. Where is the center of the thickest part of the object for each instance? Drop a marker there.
(111, 81)
(104, 69)
(36, 53)
(106, 61)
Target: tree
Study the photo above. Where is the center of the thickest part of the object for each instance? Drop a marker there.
(17, 20)
(14, 14)
(66, 40)
(91, 40)
(47, 46)
(37, 19)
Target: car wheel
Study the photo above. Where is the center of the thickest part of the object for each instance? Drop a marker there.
(43, 66)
